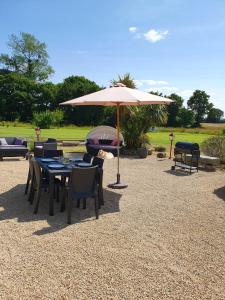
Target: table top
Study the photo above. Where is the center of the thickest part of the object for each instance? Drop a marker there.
(62, 171)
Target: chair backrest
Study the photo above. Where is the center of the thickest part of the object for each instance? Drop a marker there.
(37, 173)
(97, 161)
(53, 153)
(51, 140)
(83, 180)
(87, 157)
(31, 166)
(50, 146)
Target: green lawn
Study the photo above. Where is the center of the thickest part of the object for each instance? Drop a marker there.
(162, 138)
(70, 133)
(75, 133)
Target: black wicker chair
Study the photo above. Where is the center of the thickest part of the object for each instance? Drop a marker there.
(87, 157)
(97, 161)
(82, 185)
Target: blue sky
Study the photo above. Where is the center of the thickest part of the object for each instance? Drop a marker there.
(167, 45)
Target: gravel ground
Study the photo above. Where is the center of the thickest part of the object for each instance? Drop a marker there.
(161, 238)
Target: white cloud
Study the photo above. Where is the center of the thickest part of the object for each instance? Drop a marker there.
(150, 82)
(163, 89)
(154, 36)
(133, 29)
(185, 93)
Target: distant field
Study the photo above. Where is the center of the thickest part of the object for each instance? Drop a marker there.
(160, 137)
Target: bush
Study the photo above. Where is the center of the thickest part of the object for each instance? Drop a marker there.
(43, 119)
(223, 131)
(48, 118)
(215, 146)
(57, 117)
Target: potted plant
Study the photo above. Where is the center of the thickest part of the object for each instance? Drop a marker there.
(142, 151)
(135, 126)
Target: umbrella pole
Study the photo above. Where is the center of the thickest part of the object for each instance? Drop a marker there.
(118, 184)
(118, 141)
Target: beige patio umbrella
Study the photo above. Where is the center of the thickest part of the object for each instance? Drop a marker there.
(118, 95)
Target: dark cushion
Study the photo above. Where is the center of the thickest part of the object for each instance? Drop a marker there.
(103, 147)
(105, 142)
(18, 142)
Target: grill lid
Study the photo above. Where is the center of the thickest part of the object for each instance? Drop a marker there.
(187, 146)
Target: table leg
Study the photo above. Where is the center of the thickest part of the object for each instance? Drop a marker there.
(51, 196)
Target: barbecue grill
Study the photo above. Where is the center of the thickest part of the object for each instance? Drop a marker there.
(186, 156)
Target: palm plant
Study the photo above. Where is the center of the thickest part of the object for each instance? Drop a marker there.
(136, 123)
(126, 79)
(136, 120)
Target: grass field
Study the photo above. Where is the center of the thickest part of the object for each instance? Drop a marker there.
(160, 137)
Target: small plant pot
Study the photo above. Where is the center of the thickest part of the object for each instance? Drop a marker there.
(161, 155)
(142, 152)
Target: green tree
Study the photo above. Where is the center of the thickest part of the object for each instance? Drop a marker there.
(200, 105)
(185, 118)
(77, 86)
(173, 110)
(28, 57)
(215, 115)
(126, 79)
(17, 97)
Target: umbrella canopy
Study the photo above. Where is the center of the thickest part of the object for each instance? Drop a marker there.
(118, 95)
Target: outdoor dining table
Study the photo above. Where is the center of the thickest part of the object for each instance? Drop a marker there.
(65, 171)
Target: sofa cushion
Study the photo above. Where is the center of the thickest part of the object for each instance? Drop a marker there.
(18, 142)
(3, 142)
(10, 140)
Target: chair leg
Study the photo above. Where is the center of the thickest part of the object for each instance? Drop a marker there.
(31, 192)
(96, 206)
(100, 197)
(27, 185)
(78, 203)
(64, 199)
(57, 193)
(69, 208)
(84, 203)
(37, 200)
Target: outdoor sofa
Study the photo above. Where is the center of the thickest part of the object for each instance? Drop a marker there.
(103, 138)
(12, 147)
(93, 146)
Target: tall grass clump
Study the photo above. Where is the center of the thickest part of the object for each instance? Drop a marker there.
(215, 146)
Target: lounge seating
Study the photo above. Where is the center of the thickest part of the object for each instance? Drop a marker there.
(103, 138)
(13, 147)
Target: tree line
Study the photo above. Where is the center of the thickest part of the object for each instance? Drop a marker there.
(24, 91)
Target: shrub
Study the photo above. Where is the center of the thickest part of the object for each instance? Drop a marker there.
(57, 117)
(48, 118)
(43, 119)
(160, 149)
(215, 146)
(223, 131)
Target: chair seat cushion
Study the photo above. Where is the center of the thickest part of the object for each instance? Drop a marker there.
(12, 147)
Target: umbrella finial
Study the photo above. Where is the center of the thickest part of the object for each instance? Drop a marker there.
(118, 84)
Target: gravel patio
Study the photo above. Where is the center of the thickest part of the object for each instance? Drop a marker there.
(161, 238)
